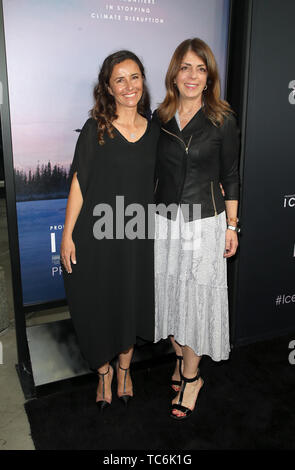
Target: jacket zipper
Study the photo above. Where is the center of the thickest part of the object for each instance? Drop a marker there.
(174, 135)
(184, 167)
(213, 199)
(186, 150)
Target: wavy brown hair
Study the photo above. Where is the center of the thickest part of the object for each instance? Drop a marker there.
(215, 108)
(104, 109)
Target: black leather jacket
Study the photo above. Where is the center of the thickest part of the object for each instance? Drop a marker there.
(191, 163)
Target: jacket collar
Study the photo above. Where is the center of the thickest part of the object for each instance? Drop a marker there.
(198, 121)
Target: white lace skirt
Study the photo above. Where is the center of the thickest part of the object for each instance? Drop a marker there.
(191, 284)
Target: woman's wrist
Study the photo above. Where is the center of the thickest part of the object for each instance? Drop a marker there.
(232, 221)
(67, 234)
(233, 228)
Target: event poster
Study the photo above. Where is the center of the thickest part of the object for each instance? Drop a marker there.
(54, 50)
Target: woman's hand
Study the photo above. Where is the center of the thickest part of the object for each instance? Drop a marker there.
(231, 243)
(67, 253)
(74, 204)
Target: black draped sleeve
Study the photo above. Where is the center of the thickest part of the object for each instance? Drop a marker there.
(83, 155)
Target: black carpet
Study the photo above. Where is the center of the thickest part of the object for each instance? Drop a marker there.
(246, 402)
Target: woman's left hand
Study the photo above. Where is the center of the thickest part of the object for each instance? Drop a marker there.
(231, 243)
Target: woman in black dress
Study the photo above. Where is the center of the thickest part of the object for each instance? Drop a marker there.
(109, 273)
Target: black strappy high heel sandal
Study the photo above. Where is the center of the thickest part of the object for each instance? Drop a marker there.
(103, 404)
(177, 382)
(178, 406)
(124, 398)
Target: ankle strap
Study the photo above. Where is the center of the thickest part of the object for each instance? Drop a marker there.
(185, 379)
(104, 373)
(123, 368)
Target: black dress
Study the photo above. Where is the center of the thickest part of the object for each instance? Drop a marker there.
(110, 291)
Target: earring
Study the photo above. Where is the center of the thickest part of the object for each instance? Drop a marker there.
(205, 87)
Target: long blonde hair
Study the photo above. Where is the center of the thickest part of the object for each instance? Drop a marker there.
(215, 108)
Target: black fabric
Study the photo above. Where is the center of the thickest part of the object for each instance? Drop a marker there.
(246, 402)
(192, 162)
(110, 291)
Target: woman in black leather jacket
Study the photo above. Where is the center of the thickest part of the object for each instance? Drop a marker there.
(197, 196)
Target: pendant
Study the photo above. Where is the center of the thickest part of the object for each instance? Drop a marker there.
(132, 135)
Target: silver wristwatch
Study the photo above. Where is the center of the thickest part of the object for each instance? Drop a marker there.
(235, 229)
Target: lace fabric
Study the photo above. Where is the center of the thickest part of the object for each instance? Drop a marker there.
(191, 284)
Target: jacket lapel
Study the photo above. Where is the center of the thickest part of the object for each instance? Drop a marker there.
(172, 127)
(196, 125)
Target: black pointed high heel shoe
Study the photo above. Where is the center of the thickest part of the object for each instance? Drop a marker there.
(125, 398)
(177, 382)
(103, 404)
(178, 406)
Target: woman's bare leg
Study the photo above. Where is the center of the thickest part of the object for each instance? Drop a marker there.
(176, 346)
(190, 367)
(178, 351)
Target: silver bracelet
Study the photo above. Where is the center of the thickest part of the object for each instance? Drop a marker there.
(235, 229)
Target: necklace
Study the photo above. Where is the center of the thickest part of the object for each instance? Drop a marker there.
(132, 135)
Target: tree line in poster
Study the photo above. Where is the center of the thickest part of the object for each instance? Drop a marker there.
(45, 182)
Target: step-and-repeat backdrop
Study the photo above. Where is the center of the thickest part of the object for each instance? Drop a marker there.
(266, 287)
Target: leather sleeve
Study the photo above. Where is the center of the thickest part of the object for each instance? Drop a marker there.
(156, 120)
(229, 158)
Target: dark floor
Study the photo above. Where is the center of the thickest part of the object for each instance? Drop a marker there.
(247, 402)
